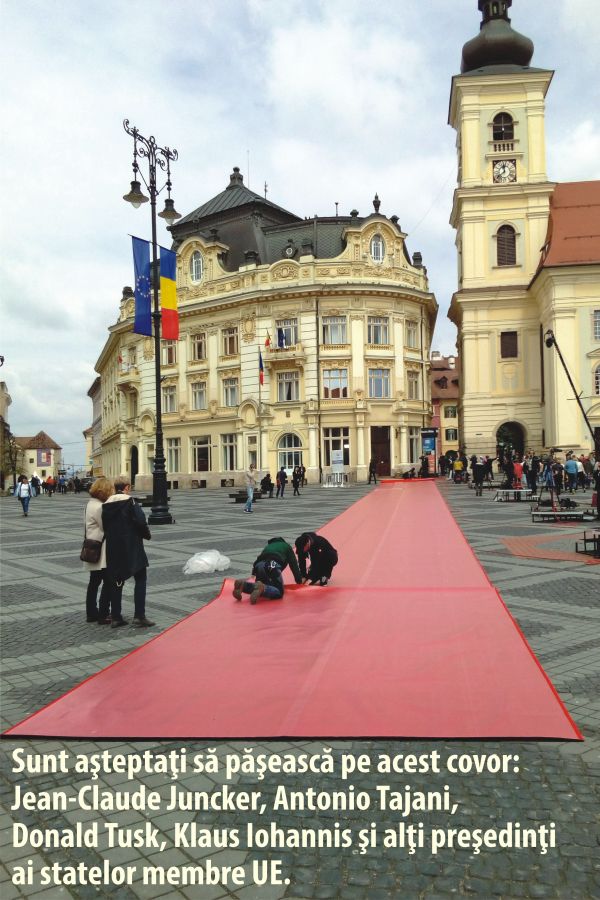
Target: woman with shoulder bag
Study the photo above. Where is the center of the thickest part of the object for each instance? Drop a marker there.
(100, 491)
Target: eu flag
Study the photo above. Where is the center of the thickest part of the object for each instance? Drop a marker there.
(142, 323)
(281, 339)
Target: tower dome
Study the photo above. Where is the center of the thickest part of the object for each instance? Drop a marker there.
(497, 44)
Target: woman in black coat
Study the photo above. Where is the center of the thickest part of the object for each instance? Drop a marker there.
(125, 529)
(323, 557)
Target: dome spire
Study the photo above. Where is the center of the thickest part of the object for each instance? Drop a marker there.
(497, 44)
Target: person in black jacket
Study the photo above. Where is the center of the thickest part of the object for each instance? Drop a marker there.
(323, 557)
(267, 569)
(125, 528)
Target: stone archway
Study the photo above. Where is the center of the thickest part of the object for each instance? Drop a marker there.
(511, 436)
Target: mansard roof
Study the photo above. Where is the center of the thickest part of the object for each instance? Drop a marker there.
(235, 196)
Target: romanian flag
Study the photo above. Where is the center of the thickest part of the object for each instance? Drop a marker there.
(268, 340)
(261, 368)
(142, 323)
(168, 295)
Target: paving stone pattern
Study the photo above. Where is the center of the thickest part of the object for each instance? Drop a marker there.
(47, 647)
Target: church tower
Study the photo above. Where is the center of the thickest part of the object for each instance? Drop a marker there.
(500, 213)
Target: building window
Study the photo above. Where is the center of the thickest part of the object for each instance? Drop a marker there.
(201, 454)
(290, 331)
(509, 345)
(230, 391)
(196, 266)
(412, 335)
(199, 346)
(288, 386)
(199, 395)
(506, 246)
(229, 447)
(597, 380)
(335, 384)
(451, 434)
(132, 404)
(450, 412)
(378, 330)
(379, 383)
(169, 398)
(334, 329)
(377, 248)
(597, 324)
(414, 442)
(503, 128)
(174, 454)
(289, 451)
(413, 385)
(336, 439)
(230, 341)
(168, 353)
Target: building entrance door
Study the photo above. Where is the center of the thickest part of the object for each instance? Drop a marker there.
(134, 464)
(380, 448)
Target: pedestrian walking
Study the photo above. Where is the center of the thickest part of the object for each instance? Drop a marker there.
(100, 491)
(322, 555)
(24, 492)
(479, 476)
(296, 481)
(125, 529)
(251, 478)
(267, 571)
(50, 485)
(303, 473)
(281, 482)
(372, 470)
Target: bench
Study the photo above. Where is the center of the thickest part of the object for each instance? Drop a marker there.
(591, 543)
(557, 515)
(242, 496)
(489, 485)
(510, 495)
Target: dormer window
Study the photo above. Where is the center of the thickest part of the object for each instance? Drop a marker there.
(377, 248)
(196, 266)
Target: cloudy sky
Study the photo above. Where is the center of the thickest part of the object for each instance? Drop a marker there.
(328, 100)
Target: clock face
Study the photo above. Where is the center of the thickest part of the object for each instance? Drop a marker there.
(505, 171)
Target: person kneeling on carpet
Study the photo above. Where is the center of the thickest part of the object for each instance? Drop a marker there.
(323, 557)
(267, 570)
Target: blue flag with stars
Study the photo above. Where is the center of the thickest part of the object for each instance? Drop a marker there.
(141, 262)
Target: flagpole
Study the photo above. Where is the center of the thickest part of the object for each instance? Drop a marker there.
(259, 413)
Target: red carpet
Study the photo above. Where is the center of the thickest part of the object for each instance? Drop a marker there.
(411, 640)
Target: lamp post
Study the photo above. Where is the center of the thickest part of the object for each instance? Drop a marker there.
(550, 341)
(147, 148)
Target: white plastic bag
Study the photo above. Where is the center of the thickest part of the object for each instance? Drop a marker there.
(206, 562)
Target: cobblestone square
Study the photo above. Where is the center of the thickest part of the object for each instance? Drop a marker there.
(47, 648)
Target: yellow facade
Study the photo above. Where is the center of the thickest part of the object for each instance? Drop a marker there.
(358, 335)
(500, 384)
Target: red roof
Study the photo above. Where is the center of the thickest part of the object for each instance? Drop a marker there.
(573, 236)
(40, 441)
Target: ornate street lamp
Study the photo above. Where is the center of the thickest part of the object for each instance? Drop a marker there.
(551, 341)
(147, 148)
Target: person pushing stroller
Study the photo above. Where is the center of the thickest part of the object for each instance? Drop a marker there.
(267, 569)
(322, 555)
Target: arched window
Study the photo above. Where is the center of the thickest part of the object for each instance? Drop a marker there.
(597, 381)
(377, 248)
(196, 266)
(290, 451)
(506, 246)
(503, 127)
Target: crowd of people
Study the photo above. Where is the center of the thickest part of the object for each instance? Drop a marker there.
(532, 471)
(267, 486)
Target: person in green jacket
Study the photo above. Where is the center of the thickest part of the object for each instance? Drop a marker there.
(267, 570)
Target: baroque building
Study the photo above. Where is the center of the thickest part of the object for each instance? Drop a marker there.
(334, 309)
(528, 256)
